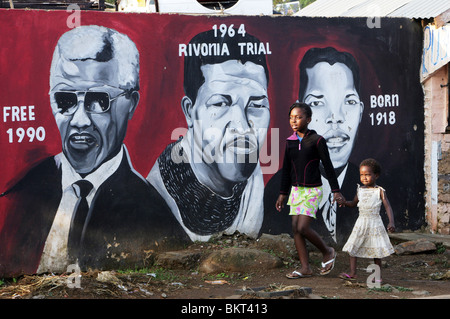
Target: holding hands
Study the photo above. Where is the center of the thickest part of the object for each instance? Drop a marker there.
(343, 202)
(337, 197)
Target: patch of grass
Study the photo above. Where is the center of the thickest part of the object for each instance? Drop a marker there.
(134, 271)
(231, 278)
(388, 288)
(157, 273)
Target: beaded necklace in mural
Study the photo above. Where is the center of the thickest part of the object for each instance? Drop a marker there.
(202, 211)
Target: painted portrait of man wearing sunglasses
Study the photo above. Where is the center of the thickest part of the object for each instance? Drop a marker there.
(94, 84)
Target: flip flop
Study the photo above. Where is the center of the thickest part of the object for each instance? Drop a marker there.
(296, 274)
(326, 272)
(347, 277)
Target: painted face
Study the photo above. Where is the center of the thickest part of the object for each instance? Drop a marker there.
(90, 137)
(336, 108)
(367, 176)
(230, 118)
(299, 121)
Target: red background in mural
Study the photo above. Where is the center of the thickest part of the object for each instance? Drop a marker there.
(28, 39)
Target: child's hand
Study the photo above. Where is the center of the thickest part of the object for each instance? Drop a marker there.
(391, 228)
(339, 199)
(280, 202)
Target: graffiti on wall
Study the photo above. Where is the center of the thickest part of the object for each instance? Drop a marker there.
(436, 49)
(120, 144)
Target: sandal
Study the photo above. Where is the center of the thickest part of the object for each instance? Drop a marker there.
(331, 261)
(347, 277)
(296, 274)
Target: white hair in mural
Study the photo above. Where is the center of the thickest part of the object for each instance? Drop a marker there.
(100, 44)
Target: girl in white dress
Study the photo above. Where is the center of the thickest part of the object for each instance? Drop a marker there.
(369, 238)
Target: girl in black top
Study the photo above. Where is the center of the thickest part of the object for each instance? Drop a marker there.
(305, 149)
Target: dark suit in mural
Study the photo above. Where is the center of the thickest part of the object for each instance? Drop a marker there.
(211, 177)
(330, 84)
(125, 214)
(54, 219)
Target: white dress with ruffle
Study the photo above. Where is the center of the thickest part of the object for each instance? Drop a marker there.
(369, 238)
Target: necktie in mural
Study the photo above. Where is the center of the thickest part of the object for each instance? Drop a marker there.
(79, 218)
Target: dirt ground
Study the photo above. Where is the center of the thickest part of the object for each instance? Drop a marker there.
(404, 277)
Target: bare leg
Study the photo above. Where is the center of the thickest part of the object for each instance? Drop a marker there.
(302, 230)
(351, 275)
(300, 245)
(377, 261)
(353, 262)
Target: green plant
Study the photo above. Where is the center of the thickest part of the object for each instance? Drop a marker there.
(440, 248)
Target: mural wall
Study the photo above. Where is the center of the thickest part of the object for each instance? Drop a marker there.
(126, 134)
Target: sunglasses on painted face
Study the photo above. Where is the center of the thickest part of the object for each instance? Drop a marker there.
(94, 102)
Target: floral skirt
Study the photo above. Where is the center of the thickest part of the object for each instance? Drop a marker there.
(305, 200)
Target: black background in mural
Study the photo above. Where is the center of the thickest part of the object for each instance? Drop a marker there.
(389, 62)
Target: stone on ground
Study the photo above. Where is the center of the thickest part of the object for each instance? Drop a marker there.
(239, 260)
